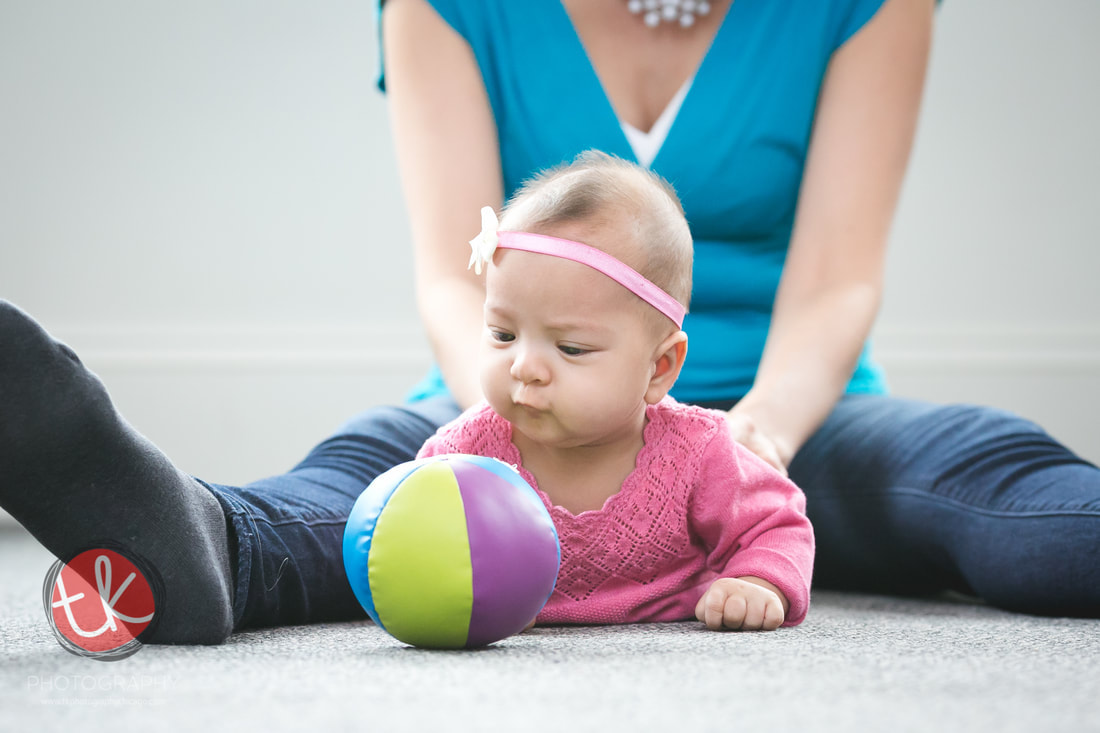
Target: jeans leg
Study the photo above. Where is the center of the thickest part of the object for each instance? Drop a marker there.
(913, 497)
(286, 532)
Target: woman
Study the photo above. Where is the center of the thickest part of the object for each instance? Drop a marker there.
(791, 128)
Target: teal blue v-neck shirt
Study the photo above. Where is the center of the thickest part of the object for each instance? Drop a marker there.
(735, 152)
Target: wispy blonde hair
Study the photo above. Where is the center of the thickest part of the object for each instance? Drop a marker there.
(599, 189)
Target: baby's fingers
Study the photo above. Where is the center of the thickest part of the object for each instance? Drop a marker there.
(735, 610)
(711, 608)
(773, 616)
(755, 611)
(763, 614)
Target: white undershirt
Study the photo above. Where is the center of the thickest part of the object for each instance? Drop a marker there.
(646, 145)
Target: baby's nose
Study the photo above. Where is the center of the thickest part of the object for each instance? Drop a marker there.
(529, 367)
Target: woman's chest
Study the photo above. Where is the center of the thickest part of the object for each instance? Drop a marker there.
(736, 147)
(641, 68)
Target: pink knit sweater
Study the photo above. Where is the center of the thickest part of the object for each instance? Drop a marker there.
(697, 507)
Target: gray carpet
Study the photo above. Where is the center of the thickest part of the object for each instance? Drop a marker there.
(858, 663)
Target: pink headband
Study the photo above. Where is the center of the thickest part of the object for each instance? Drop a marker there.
(487, 242)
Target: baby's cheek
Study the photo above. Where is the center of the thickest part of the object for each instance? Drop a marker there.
(597, 400)
(497, 383)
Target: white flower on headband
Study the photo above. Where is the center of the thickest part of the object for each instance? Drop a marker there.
(485, 243)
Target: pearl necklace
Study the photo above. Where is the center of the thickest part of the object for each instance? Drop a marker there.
(654, 12)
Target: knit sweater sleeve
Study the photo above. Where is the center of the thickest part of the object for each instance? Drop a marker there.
(752, 521)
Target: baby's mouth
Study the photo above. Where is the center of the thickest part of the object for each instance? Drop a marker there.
(527, 405)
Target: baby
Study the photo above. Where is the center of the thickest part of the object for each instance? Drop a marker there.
(661, 514)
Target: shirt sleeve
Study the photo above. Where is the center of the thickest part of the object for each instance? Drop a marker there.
(454, 12)
(752, 521)
(859, 12)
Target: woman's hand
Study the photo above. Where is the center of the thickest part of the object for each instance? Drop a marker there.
(747, 604)
(746, 432)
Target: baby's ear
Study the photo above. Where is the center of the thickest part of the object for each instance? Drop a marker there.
(668, 360)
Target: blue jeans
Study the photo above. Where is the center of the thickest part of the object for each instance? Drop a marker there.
(911, 497)
(905, 497)
(286, 532)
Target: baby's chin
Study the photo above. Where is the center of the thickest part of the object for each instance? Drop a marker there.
(540, 427)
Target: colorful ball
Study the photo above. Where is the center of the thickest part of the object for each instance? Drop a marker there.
(451, 551)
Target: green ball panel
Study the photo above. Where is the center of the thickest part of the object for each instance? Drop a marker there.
(419, 567)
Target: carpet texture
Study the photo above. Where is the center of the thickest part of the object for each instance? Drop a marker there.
(858, 663)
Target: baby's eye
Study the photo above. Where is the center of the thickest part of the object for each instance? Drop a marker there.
(503, 336)
(572, 350)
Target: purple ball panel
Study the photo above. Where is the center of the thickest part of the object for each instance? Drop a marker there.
(507, 472)
(513, 550)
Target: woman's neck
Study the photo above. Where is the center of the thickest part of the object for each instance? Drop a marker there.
(641, 68)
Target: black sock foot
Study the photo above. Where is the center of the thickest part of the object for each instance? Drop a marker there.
(77, 476)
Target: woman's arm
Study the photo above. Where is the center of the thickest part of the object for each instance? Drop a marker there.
(446, 146)
(832, 282)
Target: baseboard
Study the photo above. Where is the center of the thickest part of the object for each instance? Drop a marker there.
(236, 401)
(1055, 349)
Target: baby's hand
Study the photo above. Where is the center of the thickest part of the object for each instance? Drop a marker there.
(741, 603)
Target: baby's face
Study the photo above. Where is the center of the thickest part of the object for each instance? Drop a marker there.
(567, 353)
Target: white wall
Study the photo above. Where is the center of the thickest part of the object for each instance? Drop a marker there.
(200, 197)
(991, 292)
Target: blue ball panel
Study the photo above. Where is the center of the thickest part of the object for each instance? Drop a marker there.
(359, 531)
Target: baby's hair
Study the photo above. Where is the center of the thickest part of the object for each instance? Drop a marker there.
(601, 189)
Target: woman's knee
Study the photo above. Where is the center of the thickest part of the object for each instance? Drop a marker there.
(937, 493)
(1040, 563)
